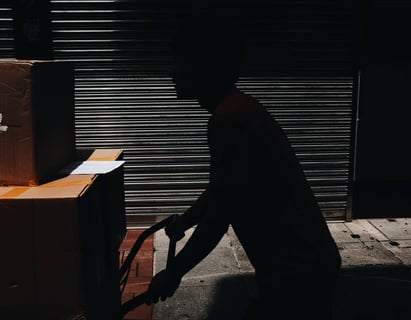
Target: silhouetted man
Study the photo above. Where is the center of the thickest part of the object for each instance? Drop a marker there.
(256, 185)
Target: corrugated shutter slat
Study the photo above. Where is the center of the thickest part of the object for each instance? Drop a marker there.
(6, 32)
(125, 99)
(299, 66)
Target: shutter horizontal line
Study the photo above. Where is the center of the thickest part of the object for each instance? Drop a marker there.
(125, 98)
(6, 31)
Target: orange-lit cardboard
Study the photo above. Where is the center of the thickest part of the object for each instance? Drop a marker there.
(40, 237)
(114, 205)
(99, 154)
(59, 244)
(37, 108)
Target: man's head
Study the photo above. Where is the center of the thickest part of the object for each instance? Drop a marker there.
(207, 54)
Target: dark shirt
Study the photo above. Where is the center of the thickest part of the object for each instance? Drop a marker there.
(258, 186)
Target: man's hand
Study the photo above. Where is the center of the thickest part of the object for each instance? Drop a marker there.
(174, 230)
(162, 286)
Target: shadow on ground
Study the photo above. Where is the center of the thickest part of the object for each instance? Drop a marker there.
(375, 293)
(231, 297)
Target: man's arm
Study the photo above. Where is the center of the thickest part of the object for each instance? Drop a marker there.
(190, 218)
(204, 239)
(195, 213)
(228, 173)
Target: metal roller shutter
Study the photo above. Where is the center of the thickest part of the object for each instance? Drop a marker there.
(316, 115)
(6, 31)
(299, 66)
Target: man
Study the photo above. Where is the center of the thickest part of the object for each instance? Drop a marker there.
(256, 185)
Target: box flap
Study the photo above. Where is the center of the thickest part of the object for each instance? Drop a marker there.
(24, 61)
(99, 154)
(71, 186)
(16, 61)
(11, 192)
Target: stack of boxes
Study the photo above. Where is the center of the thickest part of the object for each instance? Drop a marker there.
(37, 107)
(60, 235)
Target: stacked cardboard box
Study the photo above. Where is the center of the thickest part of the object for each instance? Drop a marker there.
(59, 244)
(37, 136)
(59, 235)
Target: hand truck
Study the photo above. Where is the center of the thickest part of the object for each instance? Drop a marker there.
(126, 266)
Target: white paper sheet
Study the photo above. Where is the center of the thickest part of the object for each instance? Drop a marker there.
(3, 128)
(91, 167)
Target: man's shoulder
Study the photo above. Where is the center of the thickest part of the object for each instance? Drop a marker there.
(238, 103)
(242, 111)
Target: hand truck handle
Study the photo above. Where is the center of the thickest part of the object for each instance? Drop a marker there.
(142, 298)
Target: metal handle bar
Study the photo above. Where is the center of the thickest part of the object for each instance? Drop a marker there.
(140, 240)
(125, 268)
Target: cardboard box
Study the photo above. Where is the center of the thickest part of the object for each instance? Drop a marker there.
(44, 265)
(58, 254)
(114, 202)
(37, 108)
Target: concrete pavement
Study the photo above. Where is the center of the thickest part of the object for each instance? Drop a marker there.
(375, 282)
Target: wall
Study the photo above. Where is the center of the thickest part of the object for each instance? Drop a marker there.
(382, 176)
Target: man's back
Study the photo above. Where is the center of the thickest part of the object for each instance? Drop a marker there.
(262, 190)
